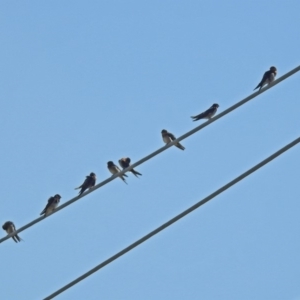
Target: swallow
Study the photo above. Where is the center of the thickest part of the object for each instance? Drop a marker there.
(125, 163)
(51, 205)
(113, 169)
(208, 114)
(9, 227)
(169, 137)
(268, 78)
(89, 182)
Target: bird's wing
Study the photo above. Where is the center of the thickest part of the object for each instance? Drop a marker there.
(44, 210)
(200, 116)
(265, 77)
(50, 201)
(205, 114)
(87, 182)
(123, 163)
(172, 136)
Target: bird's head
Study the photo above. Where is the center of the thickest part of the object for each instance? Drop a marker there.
(57, 196)
(7, 224)
(93, 174)
(273, 69)
(164, 131)
(110, 163)
(127, 159)
(215, 105)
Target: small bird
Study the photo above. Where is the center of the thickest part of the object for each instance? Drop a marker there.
(89, 182)
(113, 169)
(169, 137)
(268, 78)
(9, 227)
(208, 114)
(125, 163)
(51, 205)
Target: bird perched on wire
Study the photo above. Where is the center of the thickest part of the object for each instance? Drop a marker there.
(113, 169)
(168, 137)
(268, 78)
(51, 205)
(125, 163)
(208, 114)
(89, 182)
(9, 227)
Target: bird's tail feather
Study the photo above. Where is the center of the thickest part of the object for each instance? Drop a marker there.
(18, 238)
(134, 172)
(123, 179)
(180, 146)
(198, 117)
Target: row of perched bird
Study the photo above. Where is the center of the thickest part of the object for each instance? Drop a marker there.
(124, 163)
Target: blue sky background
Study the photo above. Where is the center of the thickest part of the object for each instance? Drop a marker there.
(85, 82)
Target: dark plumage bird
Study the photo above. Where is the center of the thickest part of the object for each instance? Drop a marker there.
(268, 78)
(9, 227)
(113, 169)
(89, 182)
(51, 205)
(208, 114)
(169, 137)
(125, 163)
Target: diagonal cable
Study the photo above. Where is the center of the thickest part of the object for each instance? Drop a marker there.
(175, 219)
(225, 112)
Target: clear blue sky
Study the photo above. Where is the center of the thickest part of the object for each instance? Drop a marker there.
(85, 82)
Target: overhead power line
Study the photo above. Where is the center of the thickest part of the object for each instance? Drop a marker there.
(225, 112)
(175, 219)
